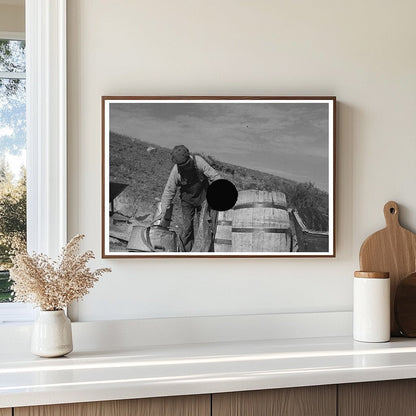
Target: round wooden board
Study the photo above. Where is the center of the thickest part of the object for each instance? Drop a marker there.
(405, 306)
(392, 250)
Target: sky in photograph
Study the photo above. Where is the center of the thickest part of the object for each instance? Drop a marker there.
(286, 139)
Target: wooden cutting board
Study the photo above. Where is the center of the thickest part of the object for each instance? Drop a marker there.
(393, 250)
(405, 306)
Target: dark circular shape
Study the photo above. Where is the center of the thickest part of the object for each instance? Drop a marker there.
(222, 195)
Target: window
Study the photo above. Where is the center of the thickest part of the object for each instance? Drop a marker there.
(12, 145)
(12, 164)
(46, 133)
(12, 154)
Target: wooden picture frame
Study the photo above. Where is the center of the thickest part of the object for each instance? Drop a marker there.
(279, 152)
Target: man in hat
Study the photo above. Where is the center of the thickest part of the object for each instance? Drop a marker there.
(191, 174)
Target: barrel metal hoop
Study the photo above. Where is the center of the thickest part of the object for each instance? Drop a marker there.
(222, 241)
(261, 229)
(260, 205)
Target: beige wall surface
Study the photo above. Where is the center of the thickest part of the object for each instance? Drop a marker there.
(363, 52)
(12, 18)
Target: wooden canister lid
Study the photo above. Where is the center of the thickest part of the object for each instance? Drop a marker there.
(372, 275)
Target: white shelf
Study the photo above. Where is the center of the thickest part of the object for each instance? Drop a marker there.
(150, 371)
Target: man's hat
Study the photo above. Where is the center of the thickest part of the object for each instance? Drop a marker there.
(180, 154)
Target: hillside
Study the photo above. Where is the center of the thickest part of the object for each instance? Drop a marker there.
(145, 168)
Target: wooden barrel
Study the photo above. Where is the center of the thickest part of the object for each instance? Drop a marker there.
(222, 241)
(261, 222)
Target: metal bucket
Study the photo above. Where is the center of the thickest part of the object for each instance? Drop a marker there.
(153, 239)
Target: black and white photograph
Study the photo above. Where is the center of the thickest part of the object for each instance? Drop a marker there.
(218, 176)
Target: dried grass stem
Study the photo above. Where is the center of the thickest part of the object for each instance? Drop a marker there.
(53, 285)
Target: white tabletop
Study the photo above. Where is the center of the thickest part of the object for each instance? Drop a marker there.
(200, 368)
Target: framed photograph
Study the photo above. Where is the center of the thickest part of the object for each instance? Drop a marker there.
(162, 156)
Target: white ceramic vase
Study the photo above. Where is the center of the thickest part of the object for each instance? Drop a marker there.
(52, 334)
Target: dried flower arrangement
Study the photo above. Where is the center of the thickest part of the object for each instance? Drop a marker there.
(53, 285)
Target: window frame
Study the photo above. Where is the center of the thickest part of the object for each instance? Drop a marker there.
(46, 136)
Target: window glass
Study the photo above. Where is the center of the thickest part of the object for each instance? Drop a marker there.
(12, 56)
(12, 156)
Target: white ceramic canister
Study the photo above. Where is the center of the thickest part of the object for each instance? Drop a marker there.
(371, 310)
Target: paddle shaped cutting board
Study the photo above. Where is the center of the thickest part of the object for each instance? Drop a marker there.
(393, 250)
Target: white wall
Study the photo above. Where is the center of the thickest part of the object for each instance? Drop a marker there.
(12, 18)
(361, 51)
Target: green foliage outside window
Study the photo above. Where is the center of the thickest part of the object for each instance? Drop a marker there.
(12, 148)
